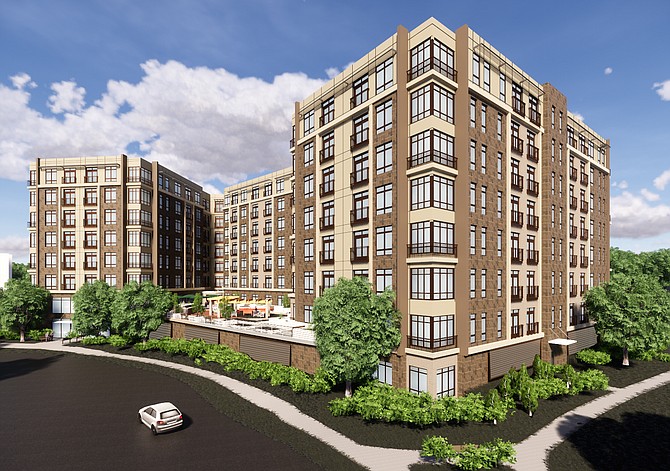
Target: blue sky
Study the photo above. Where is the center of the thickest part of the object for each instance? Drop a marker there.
(206, 87)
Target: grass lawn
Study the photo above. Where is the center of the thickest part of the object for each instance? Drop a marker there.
(634, 435)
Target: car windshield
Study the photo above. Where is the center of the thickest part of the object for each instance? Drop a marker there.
(169, 414)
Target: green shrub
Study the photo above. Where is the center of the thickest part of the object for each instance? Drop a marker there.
(593, 357)
(99, 340)
(550, 387)
(438, 448)
(542, 369)
(9, 334)
(664, 357)
(118, 341)
(590, 380)
(471, 457)
(34, 334)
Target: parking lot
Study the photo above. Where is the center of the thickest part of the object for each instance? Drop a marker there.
(62, 411)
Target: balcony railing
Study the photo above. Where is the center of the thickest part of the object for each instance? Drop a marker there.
(584, 262)
(32, 182)
(90, 201)
(584, 206)
(90, 266)
(233, 252)
(431, 63)
(518, 106)
(533, 222)
(573, 174)
(267, 230)
(431, 345)
(359, 177)
(516, 181)
(573, 232)
(431, 248)
(326, 154)
(327, 188)
(267, 249)
(533, 328)
(517, 218)
(532, 257)
(577, 319)
(584, 234)
(584, 179)
(68, 202)
(326, 222)
(573, 261)
(434, 156)
(254, 250)
(359, 139)
(327, 257)
(517, 145)
(267, 267)
(534, 117)
(359, 216)
(254, 215)
(573, 202)
(517, 331)
(517, 255)
(573, 291)
(90, 244)
(254, 268)
(583, 289)
(291, 143)
(359, 255)
(32, 224)
(69, 180)
(584, 150)
(533, 153)
(68, 265)
(69, 244)
(533, 292)
(572, 141)
(533, 187)
(254, 232)
(517, 293)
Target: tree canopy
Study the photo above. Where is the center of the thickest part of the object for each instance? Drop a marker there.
(20, 271)
(139, 309)
(631, 312)
(197, 307)
(354, 327)
(92, 308)
(22, 305)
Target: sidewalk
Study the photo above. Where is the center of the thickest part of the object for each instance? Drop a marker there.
(532, 452)
(373, 458)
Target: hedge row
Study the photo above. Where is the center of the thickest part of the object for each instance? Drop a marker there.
(471, 457)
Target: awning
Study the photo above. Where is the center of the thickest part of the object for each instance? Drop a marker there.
(564, 342)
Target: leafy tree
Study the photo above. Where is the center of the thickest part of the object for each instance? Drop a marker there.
(176, 306)
(631, 312)
(354, 327)
(285, 301)
(625, 261)
(22, 305)
(92, 308)
(20, 271)
(226, 309)
(139, 309)
(196, 307)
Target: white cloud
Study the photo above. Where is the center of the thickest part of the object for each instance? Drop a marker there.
(623, 184)
(22, 80)
(203, 123)
(663, 89)
(662, 180)
(608, 70)
(15, 245)
(649, 196)
(633, 217)
(67, 98)
(332, 72)
(578, 117)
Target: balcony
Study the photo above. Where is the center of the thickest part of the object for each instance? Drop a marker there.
(573, 174)
(359, 255)
(267, 249)
(584, 234)
(359, 177)
(68, 244)
(32, 224)
(90, 201)
(533, 293)
(327, 188)
(291, 143)
(517, 255)
(517, 181)
(254, 215)
(517, 294)
(359, 216)
(233, 236)
(267, 267)
(90, 266)
(68, 265)
(359, 139)
(532, 257)
(233, 269)
(326, 154)
(533, 222)
(431, 248)
(326, 222)
(533, 188)
(32, 182)
(233, 218)
(583, 149)
(577, 319)
(90, 244)
(584, 179)
(431, 345)
(584, 262)
(267, 212)
(584, 206)
(583, 289)
(254, 232)
(517, 331)
(573, 261)
(68, 223)
(431, 63)
(67, 202)
(517, 145)
(233, 252)
(573, 202)
(518, 106)
(434, 156)
(254, 268)
(267, 230)
(66, 180)
(533, 153)
(517, 218)
(327, 257)
(572, 141)
(533, 328)
(573, 291)
(254, 250)
(534, 117)
(573, 232)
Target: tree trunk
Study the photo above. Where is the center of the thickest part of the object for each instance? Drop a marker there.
(22, 332)
(347, 391)
(625, 357)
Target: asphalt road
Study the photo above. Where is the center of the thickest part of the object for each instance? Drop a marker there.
(78, 413)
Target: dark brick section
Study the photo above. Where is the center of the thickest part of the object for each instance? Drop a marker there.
(305, 358)
(473, 371)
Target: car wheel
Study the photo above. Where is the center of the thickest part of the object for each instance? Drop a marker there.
(153, 430)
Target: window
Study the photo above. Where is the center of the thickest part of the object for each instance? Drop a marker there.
(503, 88)
(483, 200)
(110, 259)
(328, 111)
(473, 197)
(483, 158)
(110, 238)
(110, 195)
(475, 69)
(432, 191)
(70, 176)
(385, 199)
(50, 260)
(110, 174)
(50, 239)
(483, 242)
(473, 155)
(279, 184)
(384, 75)
(309, 185)
(432, 100)
(360, 127)
(384, 240)
(473, 328)
(50, 175)
(360, 246)
(384, 116)
(384, 373)
(328, 144)
(418, 379)
(483, 326)
(500, 164)
(360, 93)
(446, 381)
(309, 153)
(473, 112)
(473, 237)
(483, 283)
(432, 237)
(487, 76)
(309, 250)
(432, 283)
(483, 118)
(432, 145)
(307, 312)
(309, 282)
(110, 216)
(384, 157)
(499, 243)
(499, 282)
(309, 217)
(50, 218)
(50, 282)
(308, 122)
(500, 204)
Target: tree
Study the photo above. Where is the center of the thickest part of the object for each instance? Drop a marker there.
(139, 309)
(93, 308)
(354, 327)
(285, 301)
(631, 312)
(22, 305)
(196, 307)
(20, 271)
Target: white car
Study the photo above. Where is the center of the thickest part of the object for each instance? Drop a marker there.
(161, 417)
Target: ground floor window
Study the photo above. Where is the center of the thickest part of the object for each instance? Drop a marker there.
(446, 381)
(61, 306)
(418, 379)
(384, 373)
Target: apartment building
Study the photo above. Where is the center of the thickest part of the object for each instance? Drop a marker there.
(253, 238)
(117, 219)
(436, 166)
